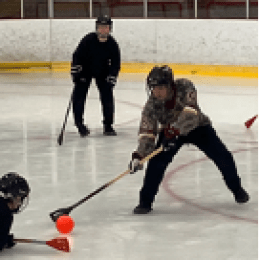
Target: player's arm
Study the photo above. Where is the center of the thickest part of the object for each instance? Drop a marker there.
(6, 239)
(146, 142)
(115, 64)
(78, 60)
(189, 118)
(147, 136)
(148, 130)
(115, 60)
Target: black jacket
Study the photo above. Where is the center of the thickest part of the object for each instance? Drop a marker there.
(97, 58)
(6, 220)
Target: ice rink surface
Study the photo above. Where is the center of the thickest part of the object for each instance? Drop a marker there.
(195, 217)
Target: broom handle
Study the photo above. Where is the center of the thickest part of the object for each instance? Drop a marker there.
(147, 158)
(23, 240)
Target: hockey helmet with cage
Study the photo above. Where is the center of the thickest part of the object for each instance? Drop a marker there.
(13, 186)
(160, 76)
(104, 20)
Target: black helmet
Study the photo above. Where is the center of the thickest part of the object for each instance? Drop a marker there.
(104, 20)
(12, 185)
(160, 76)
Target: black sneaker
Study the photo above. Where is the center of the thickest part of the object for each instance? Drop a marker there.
(83, 130)
(108, 130)
(241, 196)
(142, 210)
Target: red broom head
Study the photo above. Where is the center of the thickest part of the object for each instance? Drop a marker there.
(250, 121)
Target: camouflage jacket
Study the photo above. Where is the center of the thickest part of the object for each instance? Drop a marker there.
(157, 115)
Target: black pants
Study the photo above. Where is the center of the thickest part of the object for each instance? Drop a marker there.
(206, 139)
(105, 95)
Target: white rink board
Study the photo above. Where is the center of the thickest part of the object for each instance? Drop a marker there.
(231, 42)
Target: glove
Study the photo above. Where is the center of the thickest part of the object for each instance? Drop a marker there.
(76, 73)
(10, 241)
(111, 80)
(134, 164)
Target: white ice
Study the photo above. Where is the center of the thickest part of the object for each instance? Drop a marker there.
(195, 217)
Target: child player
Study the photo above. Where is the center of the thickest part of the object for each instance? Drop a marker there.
(14, 196)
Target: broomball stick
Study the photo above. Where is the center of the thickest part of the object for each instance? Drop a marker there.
(59, 243)
(66, 211)
(60, 138)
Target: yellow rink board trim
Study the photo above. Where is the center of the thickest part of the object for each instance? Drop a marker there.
(184, 69)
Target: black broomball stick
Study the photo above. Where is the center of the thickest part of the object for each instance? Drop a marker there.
(66, 211)
(60, 138)
(58, 243)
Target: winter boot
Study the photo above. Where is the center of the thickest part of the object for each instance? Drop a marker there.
(140, 209)
(83, 130)
(109, 130)
(241, 196)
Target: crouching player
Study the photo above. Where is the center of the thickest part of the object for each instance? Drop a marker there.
(14, 196)
(173, 105)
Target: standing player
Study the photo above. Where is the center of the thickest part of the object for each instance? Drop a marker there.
(14, 195)
(97, 56)
(173, 104)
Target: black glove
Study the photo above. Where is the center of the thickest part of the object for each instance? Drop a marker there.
(76, 73)
(10, 241)
(134, 164)
(111, 80)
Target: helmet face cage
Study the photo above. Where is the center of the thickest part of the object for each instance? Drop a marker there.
(159, 76)
(104, 20)
(13, 186)
(25, 202)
